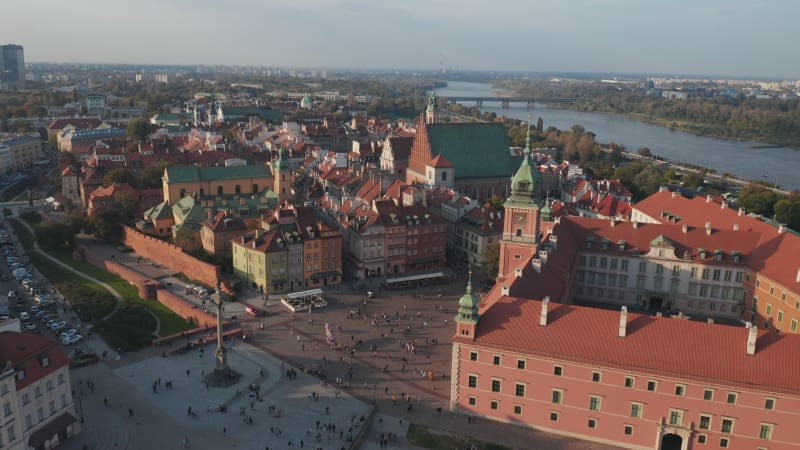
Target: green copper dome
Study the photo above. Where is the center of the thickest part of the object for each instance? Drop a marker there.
(468, 304)
(432, 102)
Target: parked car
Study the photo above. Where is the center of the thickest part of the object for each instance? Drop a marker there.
(30, 326)
(72, 339)
(24, 315)
(69, 333)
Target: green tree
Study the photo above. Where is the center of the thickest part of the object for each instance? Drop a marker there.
(492, 265)
(151, 175)
(105, 223)
(119, 176)
(138, 129)
(757, 199)
(128, 205)
(645, 152)
(788, 211)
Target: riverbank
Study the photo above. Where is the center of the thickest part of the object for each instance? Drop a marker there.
(707, 131)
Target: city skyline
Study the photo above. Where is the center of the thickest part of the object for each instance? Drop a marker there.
(713, 38)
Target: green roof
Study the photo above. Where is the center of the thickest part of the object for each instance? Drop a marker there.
(662, 241)
(160, 211)
(186, 174)
(477, 150)
(188, 210)
(240, 112)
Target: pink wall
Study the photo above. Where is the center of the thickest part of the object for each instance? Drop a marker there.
(615, 403)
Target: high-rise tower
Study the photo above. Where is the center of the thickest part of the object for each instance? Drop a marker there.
(12, 66)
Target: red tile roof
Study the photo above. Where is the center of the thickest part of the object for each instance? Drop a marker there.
(696, 351)
(23, 351)
(77, 122)
(440, 161)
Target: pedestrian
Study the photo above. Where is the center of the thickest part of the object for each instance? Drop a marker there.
(105, 400)
(188, 373)
(186, 442)
(224, 432)
(130, 413)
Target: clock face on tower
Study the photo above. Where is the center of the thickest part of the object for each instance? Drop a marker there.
(520, 218)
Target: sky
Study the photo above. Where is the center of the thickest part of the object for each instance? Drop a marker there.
(735, 38)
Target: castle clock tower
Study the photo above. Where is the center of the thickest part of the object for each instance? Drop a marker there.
(521, 220)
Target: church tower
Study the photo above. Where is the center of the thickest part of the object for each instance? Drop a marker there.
(521, 219)
(283, 176)
(430, 113)
(467, 317)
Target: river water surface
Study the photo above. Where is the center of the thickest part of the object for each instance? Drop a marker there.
(742, 158)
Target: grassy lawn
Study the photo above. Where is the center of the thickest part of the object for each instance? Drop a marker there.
(25, 237)
(171, 323)
(422, 436)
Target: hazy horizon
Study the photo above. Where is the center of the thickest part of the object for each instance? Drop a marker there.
(713, 38)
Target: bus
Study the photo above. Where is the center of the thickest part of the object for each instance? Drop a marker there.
(253, 310)
(412, 281)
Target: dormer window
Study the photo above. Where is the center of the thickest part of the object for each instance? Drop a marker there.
(44, 360)
(523, 185)
(605, 243)
(718, 254)
(621, 245)
(589, 241)
(702, 253)
(737, 257)
(20, 374)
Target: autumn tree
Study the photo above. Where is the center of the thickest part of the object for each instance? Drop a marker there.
(491, 266)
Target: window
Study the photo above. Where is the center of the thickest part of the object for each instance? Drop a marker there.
(727, 425)
(37, 392)
(496, 360)
(554, 417)
(624, 265)
(766, 431)
(592, 423)
(702, 438)
(496, 384)
(628, 430)
(769, 309)
(636, 410)
(28, 422)
(472, 401)
(558, 395)
(593, 261)
(732, 396)
(705, 422)
(793, 325)
(49, 385)
(723, 443)
(473, 356)
(594, 403)
(11, 433)
(7, 409)
(519, 390)
(4, 389)
(780, 316)
(472, 381)
(628, 382)
(675, 417)
(517, 409)
(596, 377)
(61, 378)
(25, 399)
(520, 364)
(680, 390)
(493, 405)
(558, 370)
(651, 385)
(708, 394)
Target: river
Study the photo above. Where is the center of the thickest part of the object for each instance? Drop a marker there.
(774, 164)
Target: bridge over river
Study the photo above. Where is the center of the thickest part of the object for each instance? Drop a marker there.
(506, 101)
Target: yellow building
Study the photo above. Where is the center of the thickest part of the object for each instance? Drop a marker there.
(24, 150)
(178, 181)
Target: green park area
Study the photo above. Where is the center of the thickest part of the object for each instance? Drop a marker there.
(130, 325)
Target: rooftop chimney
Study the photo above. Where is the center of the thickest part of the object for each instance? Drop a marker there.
(537, 265)
(505, 290)
(752, 336)
(741, 211)
(781, 228)
(736, 227)
(797, 279)
(675, 194)
(543, 316)
(685, 228)
(635, 224)
(710, 320)
(518, 272)
(543, 256)
(709, 198)
(623, 321)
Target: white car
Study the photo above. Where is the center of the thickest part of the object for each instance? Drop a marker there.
(30, 326)
(69, 333)
(24, 315)
(72, 339)
(60, 325)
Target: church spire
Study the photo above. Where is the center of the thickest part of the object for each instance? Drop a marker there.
(468, 304)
